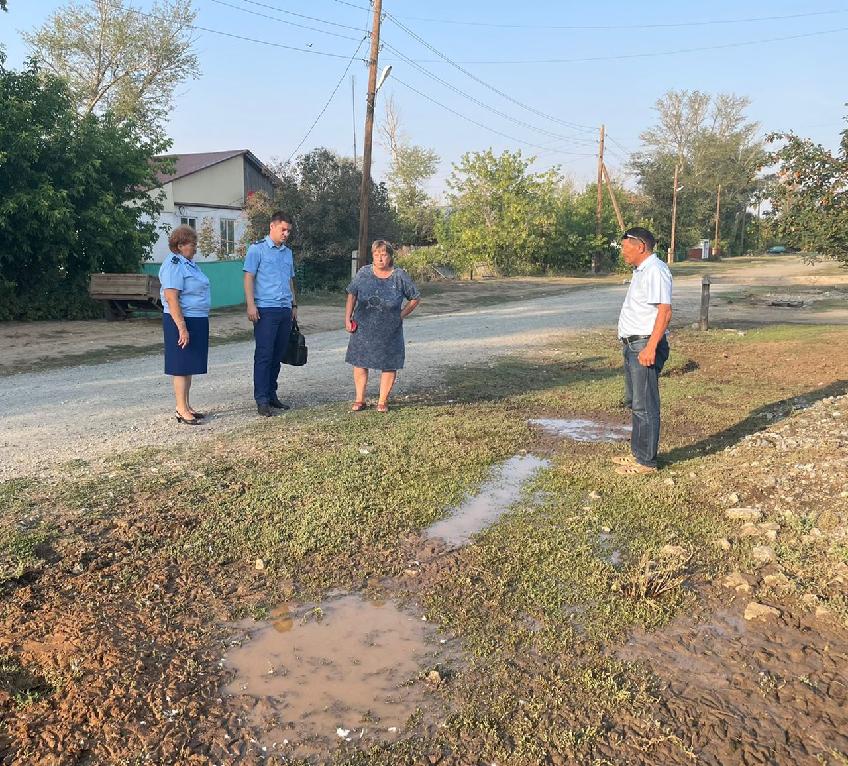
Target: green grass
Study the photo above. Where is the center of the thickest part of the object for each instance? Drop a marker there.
(328, 499)
(22, 536)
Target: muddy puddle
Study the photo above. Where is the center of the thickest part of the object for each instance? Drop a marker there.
(582, 430)
(347, 672)
(500, 491)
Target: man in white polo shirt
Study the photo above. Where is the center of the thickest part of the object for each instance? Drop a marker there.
(642, 327)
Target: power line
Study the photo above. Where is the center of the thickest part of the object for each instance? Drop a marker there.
(483, 104)
(329, 100)
(486, 127)
(652, 54)
(301, 16)
(430, 74)
(618, 144)
(441, 55)
(290, 23)
(198, 28)
(352, 5)
(612, 27)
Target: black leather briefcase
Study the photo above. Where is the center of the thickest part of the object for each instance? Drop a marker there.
(297, 351)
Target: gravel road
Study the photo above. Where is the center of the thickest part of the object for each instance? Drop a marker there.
(91, 412)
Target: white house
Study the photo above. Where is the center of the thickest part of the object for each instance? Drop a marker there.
(214, 186)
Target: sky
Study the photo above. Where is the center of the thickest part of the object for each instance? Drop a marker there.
(536, 76)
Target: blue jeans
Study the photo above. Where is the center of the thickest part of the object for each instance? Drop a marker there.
(642, 396)
(272, 340)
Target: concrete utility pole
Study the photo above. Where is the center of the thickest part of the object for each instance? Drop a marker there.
(596, 256)
(673, 215)
(718, 221)
(365, 188)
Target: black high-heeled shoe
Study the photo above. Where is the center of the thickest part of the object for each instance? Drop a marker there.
(187, 421)
(198, 415)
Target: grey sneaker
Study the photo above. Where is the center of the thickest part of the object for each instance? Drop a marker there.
(264, 410)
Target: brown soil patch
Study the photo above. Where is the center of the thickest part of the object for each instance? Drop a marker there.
(763, 691)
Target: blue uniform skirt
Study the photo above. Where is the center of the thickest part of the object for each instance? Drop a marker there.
(192, 359)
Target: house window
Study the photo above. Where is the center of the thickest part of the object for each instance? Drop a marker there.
(228, 235)
(184, 221)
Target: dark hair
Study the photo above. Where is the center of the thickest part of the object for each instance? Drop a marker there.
(382, 244)
(643, 235)
(182, 235)
(279, 215)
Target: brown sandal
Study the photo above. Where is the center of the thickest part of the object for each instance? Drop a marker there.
(358, 406)
(382, 407)
(624, 460)
(636, 468)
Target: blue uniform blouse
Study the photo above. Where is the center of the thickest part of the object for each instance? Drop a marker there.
(180, 273)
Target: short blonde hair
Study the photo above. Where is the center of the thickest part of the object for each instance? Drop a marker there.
(182, 235)
(382, 244)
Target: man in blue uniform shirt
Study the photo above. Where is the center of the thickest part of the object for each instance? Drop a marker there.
(271, 306)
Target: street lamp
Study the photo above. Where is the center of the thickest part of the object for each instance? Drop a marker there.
(383, 75)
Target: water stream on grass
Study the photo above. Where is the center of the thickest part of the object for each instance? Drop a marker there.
(345, 671)
(500, 491)
(583, 430)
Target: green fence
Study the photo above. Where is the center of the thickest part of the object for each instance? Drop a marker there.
(226, 279)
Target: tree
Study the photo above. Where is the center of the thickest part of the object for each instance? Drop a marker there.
(3, 5)
(120, 59)
(809, 195)
(321, 192)
(501, 214)
(411, 167)
(575, 241)
(208, 240)
(71, 203)
(712, 143)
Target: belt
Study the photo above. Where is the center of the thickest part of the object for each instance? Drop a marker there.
(634, 338)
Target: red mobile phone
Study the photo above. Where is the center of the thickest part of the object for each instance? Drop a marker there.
(353, 325)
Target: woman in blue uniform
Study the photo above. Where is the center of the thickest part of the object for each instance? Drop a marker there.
(186, 299)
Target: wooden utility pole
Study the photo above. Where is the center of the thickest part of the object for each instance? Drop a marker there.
(718, 221)
(596, 256)
(365, 187)
(614, 200)
(673, 215)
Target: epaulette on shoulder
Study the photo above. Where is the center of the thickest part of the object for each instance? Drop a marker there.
(175, 259)
(259, 241)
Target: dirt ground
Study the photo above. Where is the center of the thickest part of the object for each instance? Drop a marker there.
(121, 583)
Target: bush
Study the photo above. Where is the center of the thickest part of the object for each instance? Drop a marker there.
(419, 261)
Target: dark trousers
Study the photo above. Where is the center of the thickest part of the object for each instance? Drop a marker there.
(642, 396)
(272, 339)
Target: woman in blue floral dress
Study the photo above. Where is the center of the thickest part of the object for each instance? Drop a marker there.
(374, 317)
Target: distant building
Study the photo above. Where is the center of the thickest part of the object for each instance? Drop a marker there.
(212, 187)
